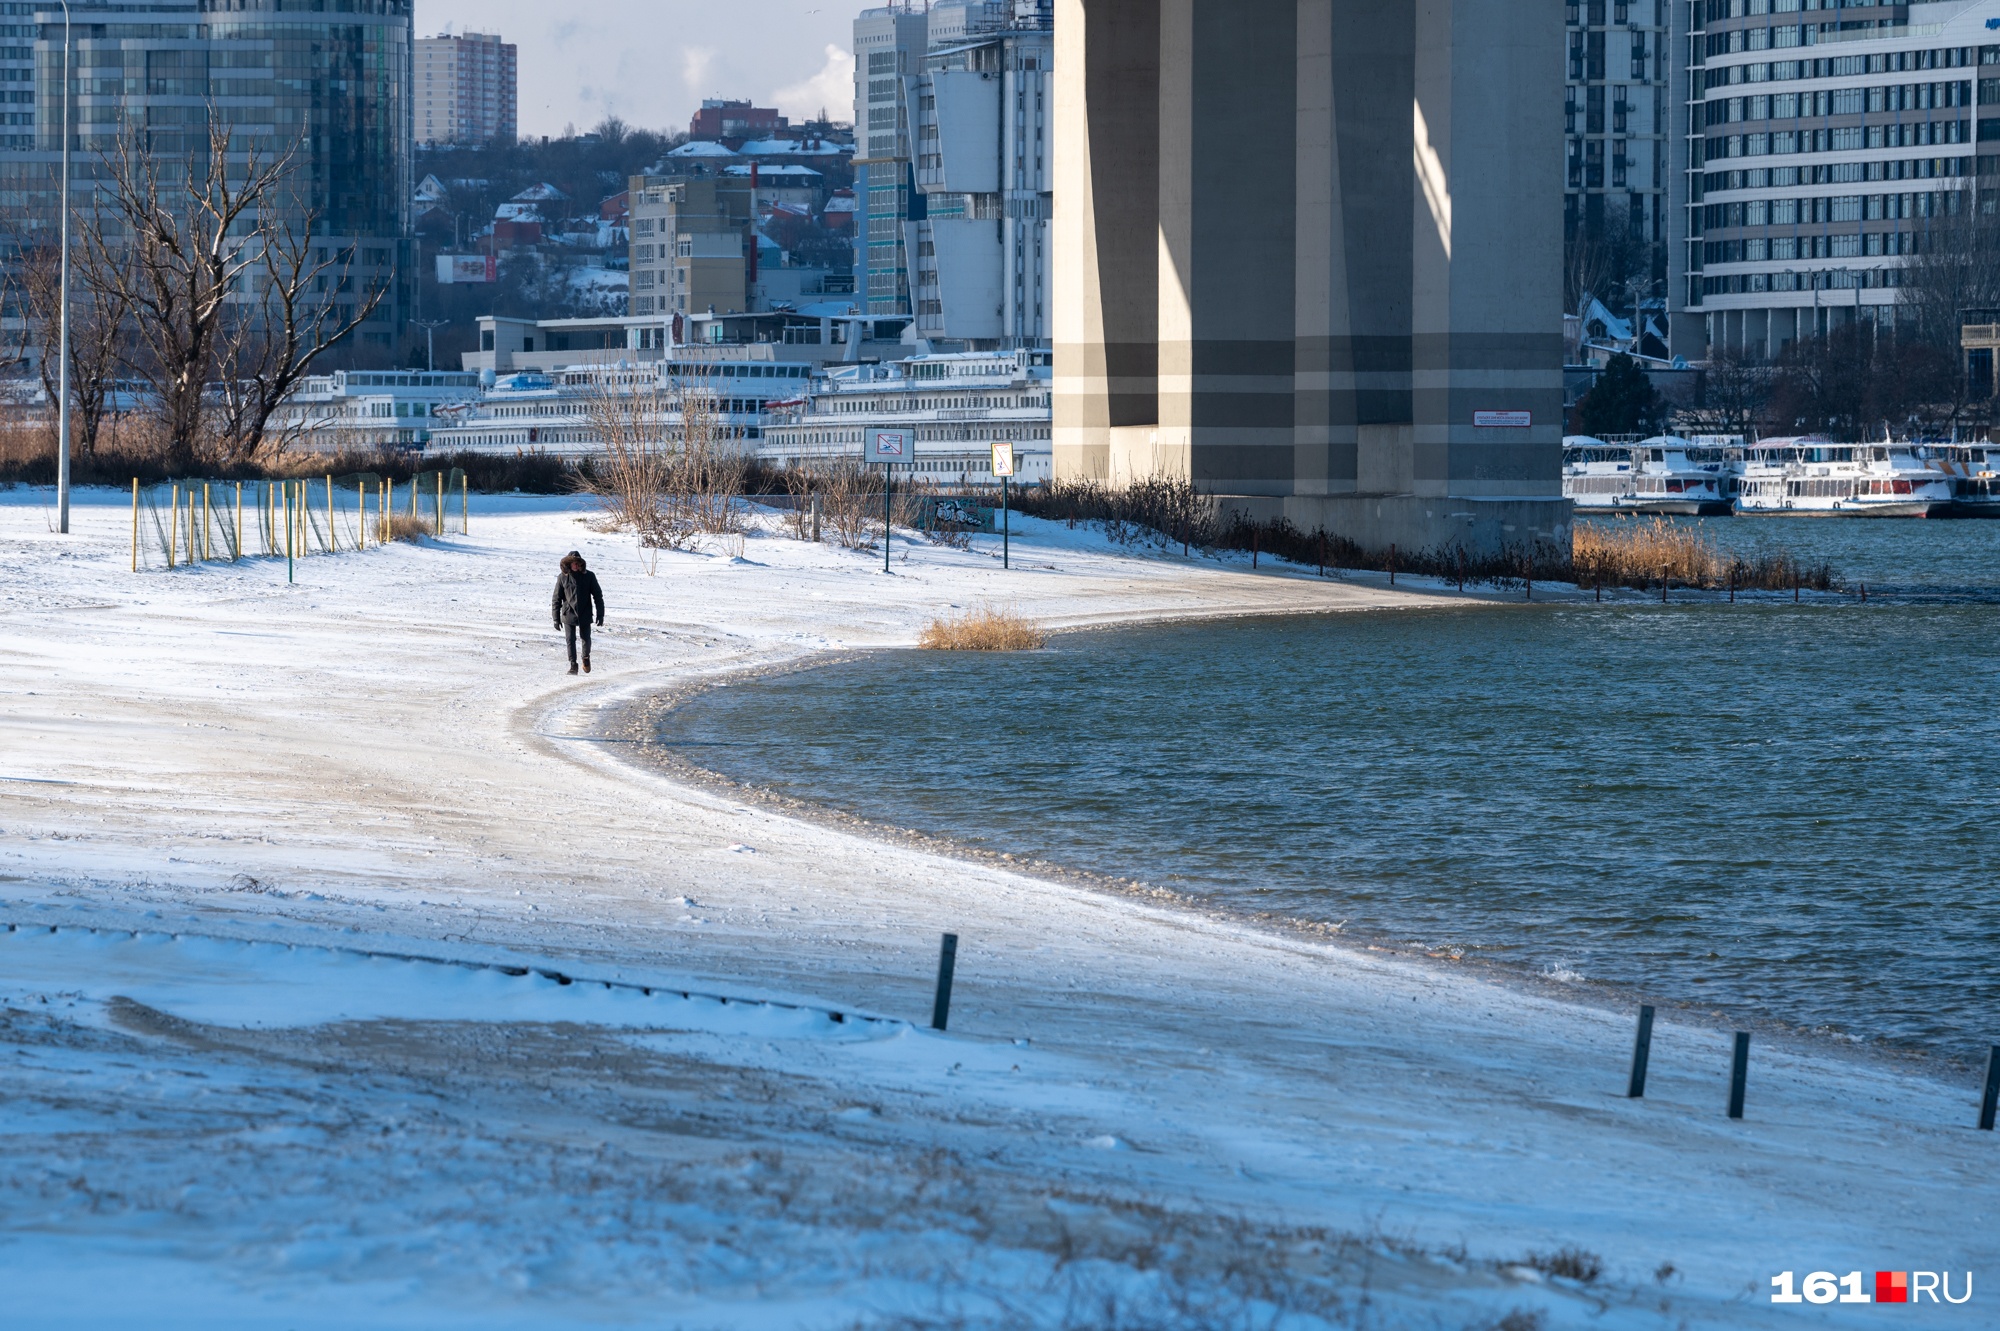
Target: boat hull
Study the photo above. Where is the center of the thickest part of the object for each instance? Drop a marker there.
(1670, 508)
(1890, 508)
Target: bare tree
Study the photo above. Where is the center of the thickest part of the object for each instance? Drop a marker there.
(295, 307)
(218, 263)
(1956, 268)
(98, 329)
(1734, 394)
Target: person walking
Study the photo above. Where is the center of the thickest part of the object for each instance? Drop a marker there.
(577, 593)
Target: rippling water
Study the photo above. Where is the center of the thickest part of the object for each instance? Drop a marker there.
(1784, 812)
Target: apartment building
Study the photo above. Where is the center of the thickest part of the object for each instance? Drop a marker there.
(1825, 138)
(467, 91)
(984, 100)
(1624, 100)
(691, 239)
(890, 44)
(333, 89)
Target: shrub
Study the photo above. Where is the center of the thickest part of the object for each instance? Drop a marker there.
(984, 629)
(1568, 1264)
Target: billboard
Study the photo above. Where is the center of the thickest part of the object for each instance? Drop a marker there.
(454, 269)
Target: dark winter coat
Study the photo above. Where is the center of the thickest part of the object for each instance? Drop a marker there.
(576, 593)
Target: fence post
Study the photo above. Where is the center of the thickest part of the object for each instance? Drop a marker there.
(1642, 1053)
(947, 963)
(1739, 1074)
(332, 530)
(815, 518)
(237, 552)
(464, 504)
(135, 524)
(440, 476)
(1991, 1102)
(173, 522)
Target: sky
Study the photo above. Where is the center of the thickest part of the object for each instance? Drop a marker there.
(650, 62)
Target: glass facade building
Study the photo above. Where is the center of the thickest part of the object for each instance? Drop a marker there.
(1824, 138)
(328, 80)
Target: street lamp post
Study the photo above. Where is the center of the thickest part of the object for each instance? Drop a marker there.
(430, 327)
(62, 372)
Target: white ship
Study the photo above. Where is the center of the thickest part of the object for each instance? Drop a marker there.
(1974, 470)
(1662, 475)
(1810, 476)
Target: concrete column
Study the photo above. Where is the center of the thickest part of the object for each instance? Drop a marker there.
(1106, 228)
(1355, 85)
(1227, 243)
(1487, 244)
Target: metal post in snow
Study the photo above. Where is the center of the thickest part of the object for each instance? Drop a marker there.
(1642, 1052)
(947, 962)
(1991, 1102)
(1739, 1074)
(62, 406)
(888, 485)
(1006, 526)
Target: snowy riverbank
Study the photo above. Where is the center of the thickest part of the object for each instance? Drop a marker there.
(1190, 1116)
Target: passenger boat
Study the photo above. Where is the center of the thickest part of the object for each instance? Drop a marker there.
(1812, 476)
(1661, 475)
(1974, 470)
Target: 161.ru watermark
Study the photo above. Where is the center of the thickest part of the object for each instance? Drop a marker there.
(1890, 1287)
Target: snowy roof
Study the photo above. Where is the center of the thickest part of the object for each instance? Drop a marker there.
(431, 190)
(699, 148)
(843, 203)
(1615, 329)
(798, 173)
(517, 212)
(542, 193)
(795, 148)
(830, 309)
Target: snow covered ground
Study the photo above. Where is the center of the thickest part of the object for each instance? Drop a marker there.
(288, 875)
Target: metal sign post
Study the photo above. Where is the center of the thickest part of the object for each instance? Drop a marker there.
(1003, 467)
(889, 448)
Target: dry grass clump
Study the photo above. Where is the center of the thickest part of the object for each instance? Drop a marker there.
(1647, 554)
(985, 629)
(407, 527)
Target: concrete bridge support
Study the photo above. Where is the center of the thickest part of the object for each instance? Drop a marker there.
(1308, 256)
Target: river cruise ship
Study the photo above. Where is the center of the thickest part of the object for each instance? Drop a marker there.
(1974, 470)
(1810, 475)
(1661, 475)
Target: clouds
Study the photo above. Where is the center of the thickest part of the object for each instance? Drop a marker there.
(652, 62)
(831, 90)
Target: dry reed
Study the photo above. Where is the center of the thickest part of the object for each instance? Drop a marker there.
(1648, 554)
(983, 629)
(405, 527)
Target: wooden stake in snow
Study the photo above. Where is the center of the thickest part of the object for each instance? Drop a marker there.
(1739, 1074)
(1642, 1051)
(1991, 1103)
(947, 961)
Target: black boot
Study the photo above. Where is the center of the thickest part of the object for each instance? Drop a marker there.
(572, 667)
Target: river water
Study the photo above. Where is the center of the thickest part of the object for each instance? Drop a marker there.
(1780, 812)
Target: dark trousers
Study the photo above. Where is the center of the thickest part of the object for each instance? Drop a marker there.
(572, 630)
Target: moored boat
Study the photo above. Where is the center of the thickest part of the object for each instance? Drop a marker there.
(1662, 475)
(1974, 470)
(1812, 476)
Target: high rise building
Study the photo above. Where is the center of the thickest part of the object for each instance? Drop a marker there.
(332, 88)
(467, 91)
(1825, 139)
(890, 44)
(690, 245)
(984, 105)
(1625, 181)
